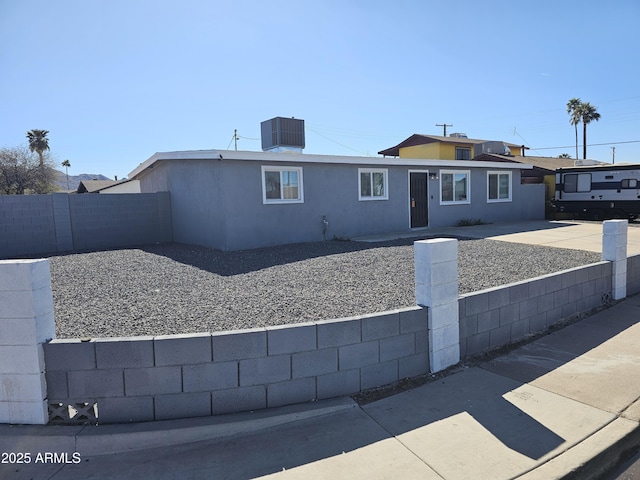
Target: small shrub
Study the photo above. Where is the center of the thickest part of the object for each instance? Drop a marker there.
(468, 222)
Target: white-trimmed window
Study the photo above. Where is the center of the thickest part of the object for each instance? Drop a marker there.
(282, 184)
(372, 184)
(455, 186)
(498, 186)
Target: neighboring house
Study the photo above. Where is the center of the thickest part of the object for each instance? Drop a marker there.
(234, 200)
(109, 186)
(457, 146)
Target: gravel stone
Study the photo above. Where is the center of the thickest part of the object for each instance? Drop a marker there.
(174, 288)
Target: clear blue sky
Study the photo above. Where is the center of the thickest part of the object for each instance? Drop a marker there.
(115, 81)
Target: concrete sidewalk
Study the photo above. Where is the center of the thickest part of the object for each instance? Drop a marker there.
(563, 406)
(559, 234)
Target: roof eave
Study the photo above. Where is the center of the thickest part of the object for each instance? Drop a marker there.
(221, 155)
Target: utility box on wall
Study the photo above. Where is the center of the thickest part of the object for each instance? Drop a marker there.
(282, 134)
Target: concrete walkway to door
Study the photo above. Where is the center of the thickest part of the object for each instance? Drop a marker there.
(561, 234)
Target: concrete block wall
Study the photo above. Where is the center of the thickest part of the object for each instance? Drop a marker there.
(502, 315)
(26, 322)
(175, 376)
(633, 274)
(107, 221)
(614, 249)
(27, 225)
(436, 280)
(33, 225)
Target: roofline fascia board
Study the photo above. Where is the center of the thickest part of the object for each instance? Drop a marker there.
(221, 155)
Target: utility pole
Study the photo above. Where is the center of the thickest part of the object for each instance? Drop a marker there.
(613, 154)
(235, 139)
(445, 128)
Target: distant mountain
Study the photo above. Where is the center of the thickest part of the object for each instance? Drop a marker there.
(74, 180)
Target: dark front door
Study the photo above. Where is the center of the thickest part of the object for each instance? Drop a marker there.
(419, 198)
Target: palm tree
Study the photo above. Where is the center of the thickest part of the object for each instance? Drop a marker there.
(588, 113)
(38, 142)
(66, 164)
(573, 109)
(564, 155)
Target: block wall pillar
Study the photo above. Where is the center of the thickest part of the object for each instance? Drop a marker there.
(436, 271)
(26, 322)
(614, 249)
(62, 219)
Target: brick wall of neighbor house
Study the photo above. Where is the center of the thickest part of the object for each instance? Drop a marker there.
(33, 225)
(175, 376)
(502, 315)
(633, 274)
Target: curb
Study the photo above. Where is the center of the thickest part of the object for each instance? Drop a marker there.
(591, 458)
(596, 467)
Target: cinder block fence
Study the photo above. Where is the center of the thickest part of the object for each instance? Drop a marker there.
(153, 378)
(26, 323)
(43, 224)
(176, 376)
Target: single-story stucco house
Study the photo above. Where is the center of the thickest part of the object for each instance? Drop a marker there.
(233, 200)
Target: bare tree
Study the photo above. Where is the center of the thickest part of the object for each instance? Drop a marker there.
(21, 172)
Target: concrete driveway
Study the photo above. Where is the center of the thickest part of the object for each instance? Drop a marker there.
(561, 234)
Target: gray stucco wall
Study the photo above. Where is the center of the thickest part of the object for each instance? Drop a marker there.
(218, 203)
(527, 202)
(196, 199)
(43, 224)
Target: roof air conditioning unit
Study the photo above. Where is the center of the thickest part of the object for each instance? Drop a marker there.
(282, 134)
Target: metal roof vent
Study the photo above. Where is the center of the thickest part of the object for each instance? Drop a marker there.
(282, 135)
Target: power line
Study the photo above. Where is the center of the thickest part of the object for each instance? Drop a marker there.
(231, 141)
(588, 145)
(515, 132)
(338, 143)
(237, 137)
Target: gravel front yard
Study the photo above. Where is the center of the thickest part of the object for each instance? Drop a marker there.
(173, 288)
